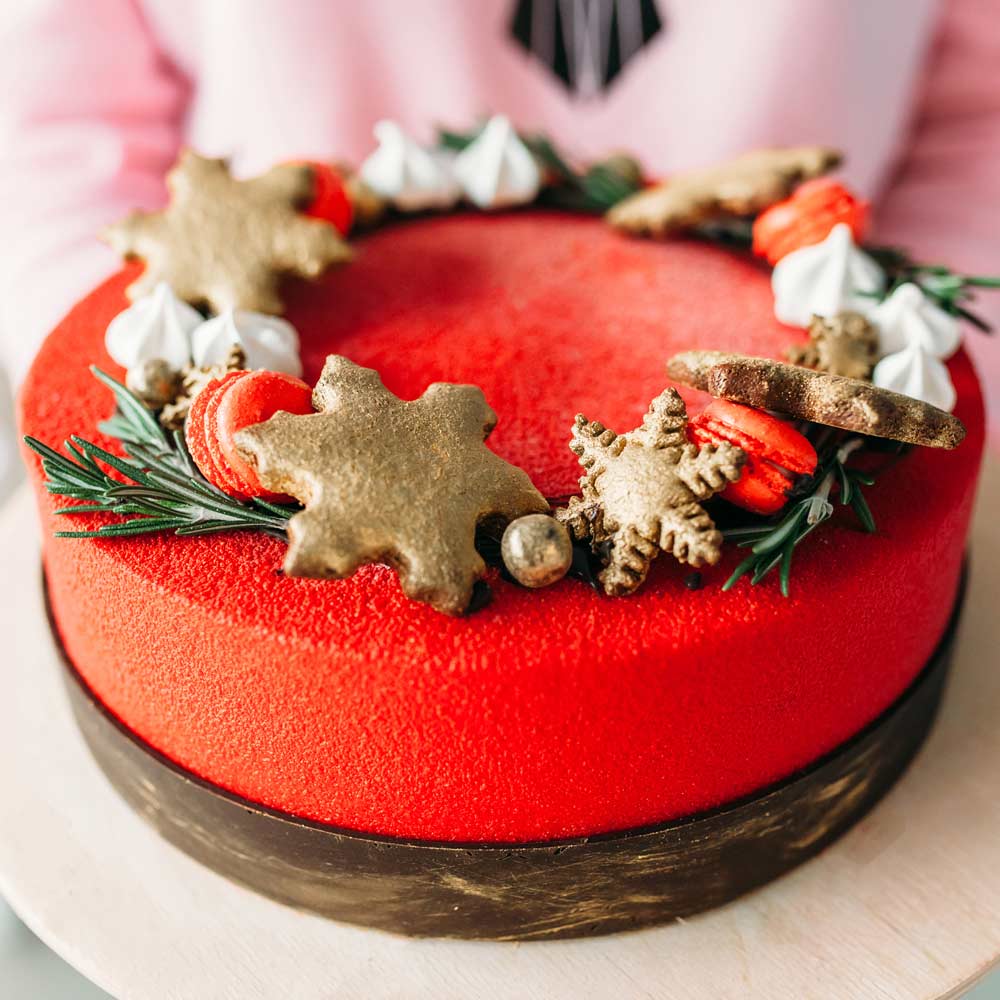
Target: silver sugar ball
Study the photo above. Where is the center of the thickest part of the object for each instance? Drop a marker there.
(154, 382)
(536, 550)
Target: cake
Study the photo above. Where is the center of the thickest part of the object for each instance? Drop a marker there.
(557, 761)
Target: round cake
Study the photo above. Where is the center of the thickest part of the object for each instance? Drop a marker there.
(546, 715)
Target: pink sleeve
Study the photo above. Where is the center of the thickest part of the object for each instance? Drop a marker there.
(944, 203)
(89, 123)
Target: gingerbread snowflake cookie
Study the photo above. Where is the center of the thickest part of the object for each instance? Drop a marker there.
(226, 243)
(741, 187)
(642, 493)
(385, 480)
(819, 397)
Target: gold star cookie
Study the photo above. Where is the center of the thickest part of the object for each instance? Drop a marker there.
(385, 480)
(226, 243)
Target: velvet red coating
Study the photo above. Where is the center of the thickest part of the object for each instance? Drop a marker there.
(248, 401)
(776, 452)
(551, 713)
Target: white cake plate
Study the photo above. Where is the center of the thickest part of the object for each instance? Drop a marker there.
(906, 905)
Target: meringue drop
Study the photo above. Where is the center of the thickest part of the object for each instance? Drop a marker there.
(916, 372)
(268, 342)
(825, 279)
(410, 177)
(497, 169)
(908, 317)
(157, 326)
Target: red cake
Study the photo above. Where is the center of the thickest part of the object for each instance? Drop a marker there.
(551, 714)
(545, 715)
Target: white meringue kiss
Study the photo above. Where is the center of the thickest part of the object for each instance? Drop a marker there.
(825, 279)
(908, 318)
(410, 177)
(268, 342)
(916, 372)
(157, 326)
(497, 169)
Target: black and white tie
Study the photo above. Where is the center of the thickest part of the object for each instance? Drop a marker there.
(586, 43)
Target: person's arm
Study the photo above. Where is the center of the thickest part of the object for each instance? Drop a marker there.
(89, 124)
(944, 203)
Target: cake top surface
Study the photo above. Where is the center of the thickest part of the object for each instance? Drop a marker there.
(550, 315)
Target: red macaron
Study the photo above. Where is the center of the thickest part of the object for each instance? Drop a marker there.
(776, 453)
(227, 405)
(330, 200)
(807, 217)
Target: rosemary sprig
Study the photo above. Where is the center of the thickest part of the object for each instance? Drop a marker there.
(160, 488)
(772, 545)
(950, 290)
(595, 189)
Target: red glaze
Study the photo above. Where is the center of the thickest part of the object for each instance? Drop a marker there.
(774, 449)
(252, 400)
(330, 201)
(807, 218)
(551, 713)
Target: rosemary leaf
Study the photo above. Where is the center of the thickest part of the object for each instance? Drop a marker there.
(764, 566)
(846, 484)
(747, 534)
(128, 469)
(132, 409)
(133, 526)
(740, 571)
(863, 511)
(784, 530)
(785, 573)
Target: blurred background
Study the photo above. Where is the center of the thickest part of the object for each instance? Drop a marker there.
(99, 96)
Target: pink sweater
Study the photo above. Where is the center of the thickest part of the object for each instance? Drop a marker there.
(99, 95)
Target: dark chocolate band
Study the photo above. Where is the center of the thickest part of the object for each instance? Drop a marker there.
(555, 889)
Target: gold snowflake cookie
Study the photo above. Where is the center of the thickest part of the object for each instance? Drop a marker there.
(743, 186)
(642, 493)
(385, 480)
(226, 243)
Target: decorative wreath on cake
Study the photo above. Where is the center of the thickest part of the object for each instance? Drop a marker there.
(219, 433)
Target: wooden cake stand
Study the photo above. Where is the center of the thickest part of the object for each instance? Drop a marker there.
(906, 905)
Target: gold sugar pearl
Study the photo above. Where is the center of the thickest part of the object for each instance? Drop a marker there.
(154, 382)
(536, 549)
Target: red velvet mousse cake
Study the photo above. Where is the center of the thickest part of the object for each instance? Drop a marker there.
(749, 597)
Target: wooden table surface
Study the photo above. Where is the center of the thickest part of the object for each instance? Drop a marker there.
(906, 906)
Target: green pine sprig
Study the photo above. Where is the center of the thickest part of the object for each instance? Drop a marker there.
(596, 188)
(772, 545)
(160, 487)
(950, 290)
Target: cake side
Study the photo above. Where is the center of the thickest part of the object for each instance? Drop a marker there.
(552, 714)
